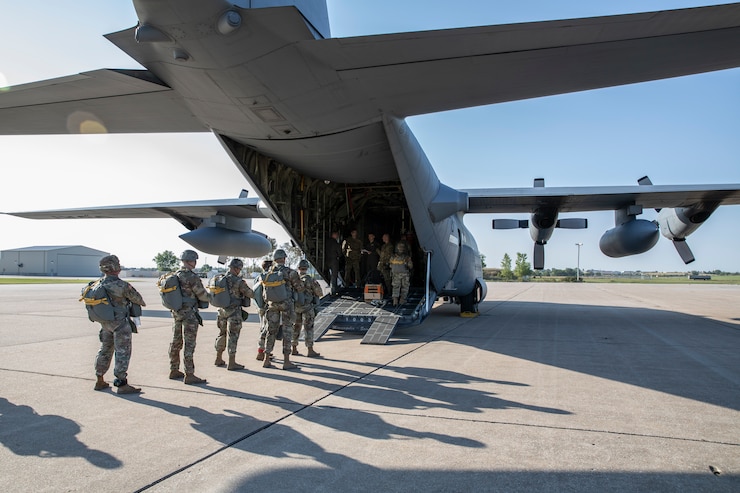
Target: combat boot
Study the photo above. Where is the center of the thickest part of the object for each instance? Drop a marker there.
(266, 363)
(287, 365)
(219, 359)
(260, 354)
(402, 301)
(176, 374)
(101, 384)
(312, 354)
(127, 389)
(191, 379)
(295, 351)
(395, 301)
(233, 365)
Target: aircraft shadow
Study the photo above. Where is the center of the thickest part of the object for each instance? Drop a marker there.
(24, 432)
(676, 353)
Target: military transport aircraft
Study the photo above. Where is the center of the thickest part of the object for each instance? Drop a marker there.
(316, 124)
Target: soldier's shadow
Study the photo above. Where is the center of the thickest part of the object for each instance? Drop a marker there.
(25, 432)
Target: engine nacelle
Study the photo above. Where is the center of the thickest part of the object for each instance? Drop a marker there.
(222, 241)
(678, 223)
(630, 238)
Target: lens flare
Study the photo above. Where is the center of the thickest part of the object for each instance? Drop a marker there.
(83, 122)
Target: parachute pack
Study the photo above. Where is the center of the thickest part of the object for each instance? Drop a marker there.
(169, 290)
(97, 302)
(274, 285)
(220, 291)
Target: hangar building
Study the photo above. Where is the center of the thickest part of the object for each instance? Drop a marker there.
(68, 261)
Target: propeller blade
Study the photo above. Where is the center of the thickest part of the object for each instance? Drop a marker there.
(510, 223)
(572, 223)
(684, 251)
(539, 256)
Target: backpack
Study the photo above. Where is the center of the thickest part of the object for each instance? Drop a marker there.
(274, 286)
(97, 302)
(220, 291)
(169, 290)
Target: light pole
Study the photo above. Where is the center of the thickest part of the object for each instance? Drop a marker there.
(578, 265)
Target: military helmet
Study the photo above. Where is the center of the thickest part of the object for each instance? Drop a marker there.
(400, 247)
(303, 264)
(236, 263)
(110, 263)
(266, 264)
(279, 253)
(189, 256)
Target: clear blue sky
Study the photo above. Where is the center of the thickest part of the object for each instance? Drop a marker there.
(676, 131)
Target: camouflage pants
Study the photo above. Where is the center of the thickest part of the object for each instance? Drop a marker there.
(401, 285)
(115, 337)
(279, 313)
(184, 330)
(306, 319)
(234, 325)
(387, 277)
(263, 329)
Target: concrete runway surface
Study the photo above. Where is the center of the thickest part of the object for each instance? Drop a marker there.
(554, 387)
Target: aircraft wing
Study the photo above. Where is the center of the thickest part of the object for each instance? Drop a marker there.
(189, 214)
(422, 72)
(581, 199)
(128, 101)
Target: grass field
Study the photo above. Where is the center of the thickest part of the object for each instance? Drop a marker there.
(41, 280)
(644, 280)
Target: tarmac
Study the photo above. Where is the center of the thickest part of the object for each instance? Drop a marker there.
(554, 387)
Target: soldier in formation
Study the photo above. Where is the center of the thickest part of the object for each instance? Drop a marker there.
(304, 309)
(187, 319)
(279, 285)
(115, 335)
(230, 317)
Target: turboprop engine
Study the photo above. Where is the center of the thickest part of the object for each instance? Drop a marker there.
(678, 223)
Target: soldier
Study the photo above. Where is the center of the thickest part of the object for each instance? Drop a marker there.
(372, 250)
(384, 264)
(231, 316)
(279, 285)
(305, 311)
(332, 256)
(115, 336)
(352, 249)
(262, 306)
(401, 266)
(187, 319)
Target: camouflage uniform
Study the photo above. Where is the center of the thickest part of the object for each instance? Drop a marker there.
(282, 312)
(401, 266)
(386, 252)
(185, 327)
(231, 316)
(352, 248)
(115, 336)
(305, 312)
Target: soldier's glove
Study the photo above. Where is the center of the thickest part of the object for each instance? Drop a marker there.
(200, 319)
(245, 315)
(133, 326)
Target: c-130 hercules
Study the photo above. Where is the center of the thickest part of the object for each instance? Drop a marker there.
(316, 124)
